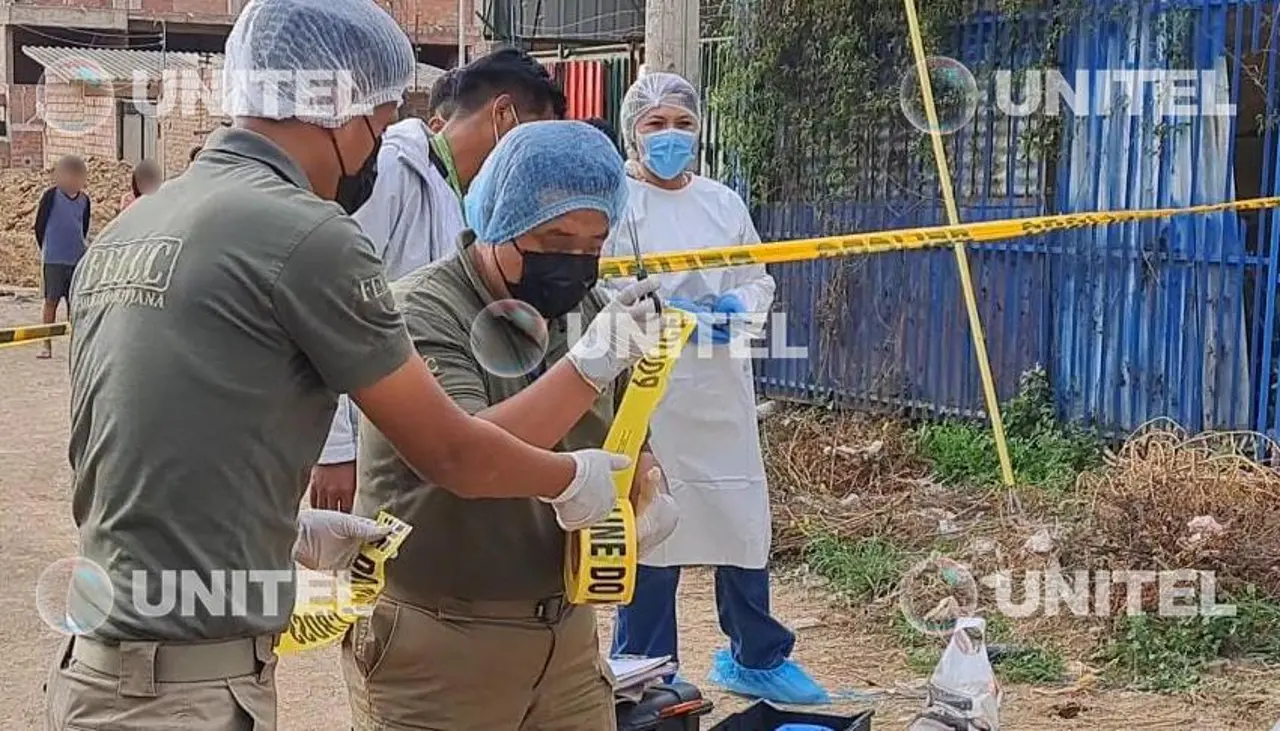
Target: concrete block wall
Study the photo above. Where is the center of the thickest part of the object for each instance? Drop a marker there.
(426, 21)
(178, 134)
(187, 122)
(22, 105)
(415, 105)
(26, 149)
(98, 4)
(6, 46)
(220, 12)
(26, 132)
(198, 7)
(78, 124)
(434, 21)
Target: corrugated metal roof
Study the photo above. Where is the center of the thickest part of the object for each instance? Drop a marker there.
(110, 65)
(115, 65)
(425, 77)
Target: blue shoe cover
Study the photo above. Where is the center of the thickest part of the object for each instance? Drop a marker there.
(787, 683)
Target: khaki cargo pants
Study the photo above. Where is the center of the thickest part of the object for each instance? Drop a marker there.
(146, 686)
(478, 666)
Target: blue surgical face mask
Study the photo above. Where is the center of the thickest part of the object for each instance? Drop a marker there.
(669, 152)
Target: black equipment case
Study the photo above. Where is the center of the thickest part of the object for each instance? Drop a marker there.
(763, 716)
(671, 707)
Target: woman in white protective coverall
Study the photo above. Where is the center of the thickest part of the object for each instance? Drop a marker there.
(704, 432)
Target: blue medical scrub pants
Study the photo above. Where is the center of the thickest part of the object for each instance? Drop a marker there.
(647, 626)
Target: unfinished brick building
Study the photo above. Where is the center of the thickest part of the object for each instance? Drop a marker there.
(70, 71)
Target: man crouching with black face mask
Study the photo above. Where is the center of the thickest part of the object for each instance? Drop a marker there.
(473, 630)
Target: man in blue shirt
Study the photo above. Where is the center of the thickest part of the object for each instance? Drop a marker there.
(62, 228)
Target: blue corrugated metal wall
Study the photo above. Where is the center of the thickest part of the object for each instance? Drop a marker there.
(1172, 318)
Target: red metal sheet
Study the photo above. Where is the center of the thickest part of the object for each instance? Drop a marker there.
(576, 70)
(584, 89)
(596, 72)
(584, 86)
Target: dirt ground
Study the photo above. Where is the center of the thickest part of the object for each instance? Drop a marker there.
(848, 656)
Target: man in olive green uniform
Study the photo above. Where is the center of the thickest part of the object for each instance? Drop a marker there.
(473, 631)
(215, 322)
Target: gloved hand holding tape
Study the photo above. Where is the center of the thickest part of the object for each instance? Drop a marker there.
(600, 562)
(329, 598)
(657, 514)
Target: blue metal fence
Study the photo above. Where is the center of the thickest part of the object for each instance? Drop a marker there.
(1173, 318)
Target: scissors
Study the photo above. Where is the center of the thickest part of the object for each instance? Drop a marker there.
(641, 272)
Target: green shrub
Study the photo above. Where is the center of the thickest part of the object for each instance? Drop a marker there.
(863, 570)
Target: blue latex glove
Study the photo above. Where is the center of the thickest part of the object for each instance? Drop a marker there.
(729, 304)
(706, 329)
(719, 330)
(726, 306)
(687, 305)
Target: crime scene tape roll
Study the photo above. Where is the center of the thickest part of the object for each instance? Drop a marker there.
(327, 605)
(32, 333)
(876, 242)
(600, 562)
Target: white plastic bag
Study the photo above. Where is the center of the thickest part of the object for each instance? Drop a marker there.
(963, 692)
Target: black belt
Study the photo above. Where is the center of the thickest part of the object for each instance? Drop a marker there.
(549, 610)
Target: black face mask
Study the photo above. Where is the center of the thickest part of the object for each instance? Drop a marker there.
(354, 190)
(554, 283)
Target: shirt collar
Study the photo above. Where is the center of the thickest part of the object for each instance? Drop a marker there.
(513, 331)
(244, 143)
(466, 242)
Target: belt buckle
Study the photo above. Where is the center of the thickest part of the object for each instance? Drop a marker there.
(549, 610)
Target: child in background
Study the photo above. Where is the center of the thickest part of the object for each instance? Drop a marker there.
(62, 228)
(146, 178)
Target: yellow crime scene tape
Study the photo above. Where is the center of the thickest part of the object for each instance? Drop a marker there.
(796, 250)
(32, 333)
(911, 239)
(326, 605)
(600, 562)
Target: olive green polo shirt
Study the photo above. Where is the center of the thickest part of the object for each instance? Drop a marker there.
(215, 321)
(487, 549)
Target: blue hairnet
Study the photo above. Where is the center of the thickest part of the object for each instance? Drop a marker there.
(323, 62)
(541, 170)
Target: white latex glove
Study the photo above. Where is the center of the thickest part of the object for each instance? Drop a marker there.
(658, 519)
(618, 337)
(590, 497)
(330, 541)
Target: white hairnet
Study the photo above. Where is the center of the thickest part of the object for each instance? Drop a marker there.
(658, 89)
(542, 170)
(323, 62)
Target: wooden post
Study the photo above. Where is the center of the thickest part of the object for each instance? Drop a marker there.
(671, 38)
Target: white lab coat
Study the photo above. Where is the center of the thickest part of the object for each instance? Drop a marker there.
(704, 432)
(413, 219)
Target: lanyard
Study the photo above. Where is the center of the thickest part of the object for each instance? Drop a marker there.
(443, 155)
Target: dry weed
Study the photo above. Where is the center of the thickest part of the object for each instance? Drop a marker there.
(1166, 500)
(835, 473)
